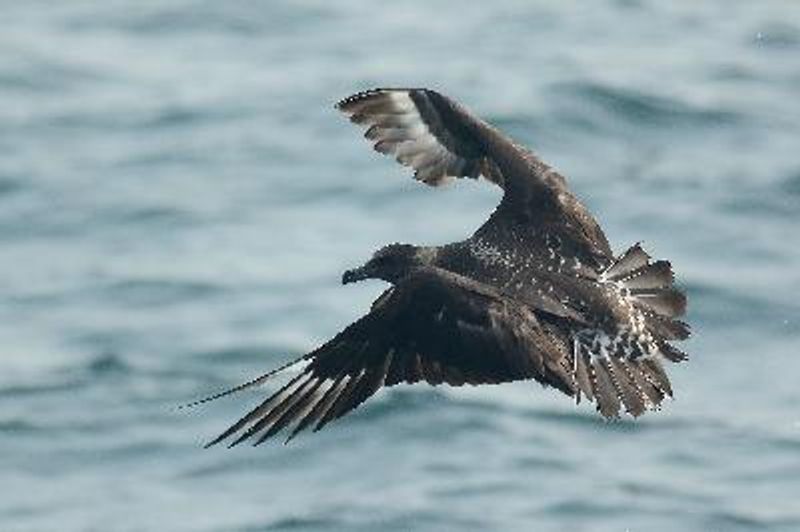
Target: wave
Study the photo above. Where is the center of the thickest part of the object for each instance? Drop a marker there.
(643, 108)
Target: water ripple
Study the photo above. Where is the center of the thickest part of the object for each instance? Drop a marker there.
(646, 109)
(177, 196)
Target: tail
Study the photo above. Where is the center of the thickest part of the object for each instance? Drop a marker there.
(624, 368)
(649, 284)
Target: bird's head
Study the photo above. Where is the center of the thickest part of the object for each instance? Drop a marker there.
(391, 263)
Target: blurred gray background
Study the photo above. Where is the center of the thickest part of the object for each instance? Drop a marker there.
(178, 199)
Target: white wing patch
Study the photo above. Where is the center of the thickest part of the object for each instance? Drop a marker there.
(397, 127)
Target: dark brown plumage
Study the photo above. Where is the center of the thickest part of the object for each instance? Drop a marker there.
(535, 293)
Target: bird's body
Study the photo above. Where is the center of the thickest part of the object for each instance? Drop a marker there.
(535, 293)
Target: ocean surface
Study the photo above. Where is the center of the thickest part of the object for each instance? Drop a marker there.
(178, 199)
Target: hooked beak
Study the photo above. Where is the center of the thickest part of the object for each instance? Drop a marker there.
(356, 274)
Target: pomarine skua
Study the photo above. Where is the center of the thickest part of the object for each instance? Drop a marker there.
(535, 293)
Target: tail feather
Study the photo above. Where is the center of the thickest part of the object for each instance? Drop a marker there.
(614, 382)
(648, 285)
(650, 276)
(582, 364)
(653, 393)
(621, 367)
(666, 328)
(633, 259)
(654, 372)
(608, 401)
(671, 352)
(629, 393)
(668, 302)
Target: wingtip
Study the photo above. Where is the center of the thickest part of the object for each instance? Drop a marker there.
(214, 442)
(238, 440)
(240, 387)
(342, 104)
(357, 97)
(199, 402)
(292, 435)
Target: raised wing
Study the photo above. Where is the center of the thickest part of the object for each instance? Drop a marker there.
(436, 327)
(440, 139)
(421, 129)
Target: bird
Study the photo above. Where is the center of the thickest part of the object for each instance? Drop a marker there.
(534, 294)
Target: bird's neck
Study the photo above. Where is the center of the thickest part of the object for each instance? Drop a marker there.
(427, 255)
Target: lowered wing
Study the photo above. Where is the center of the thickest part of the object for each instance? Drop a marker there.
(434, 326)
